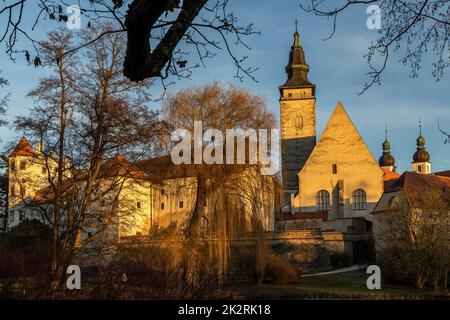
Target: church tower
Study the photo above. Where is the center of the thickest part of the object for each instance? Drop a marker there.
(387, 160)
(421, 159)
(297, 117)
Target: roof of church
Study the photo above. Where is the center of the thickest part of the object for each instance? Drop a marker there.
(23, 148)
(340, 129)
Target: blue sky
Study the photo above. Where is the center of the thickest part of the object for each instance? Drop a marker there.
(337, 67)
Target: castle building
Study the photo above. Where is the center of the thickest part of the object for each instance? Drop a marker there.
(152, 193)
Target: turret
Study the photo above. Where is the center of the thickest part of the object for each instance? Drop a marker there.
(387, 160)
(421, 158)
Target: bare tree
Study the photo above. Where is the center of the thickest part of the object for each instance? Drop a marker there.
(447, 135)
(413, 241)
(86, 114)
(3, 100)
(417, 27)
(159, 32)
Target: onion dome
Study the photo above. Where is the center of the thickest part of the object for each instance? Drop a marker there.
(387, 159)
(421, 155)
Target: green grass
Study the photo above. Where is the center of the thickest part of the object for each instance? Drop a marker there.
(349, 285)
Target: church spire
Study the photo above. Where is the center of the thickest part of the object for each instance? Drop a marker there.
(297, 68)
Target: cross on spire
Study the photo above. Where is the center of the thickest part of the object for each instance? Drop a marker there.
(296, 25)
(420, 126)
(386, 132)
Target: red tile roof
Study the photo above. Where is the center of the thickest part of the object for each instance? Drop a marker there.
(415, 186)
(23, 148)
(443, 173)
(389, 178)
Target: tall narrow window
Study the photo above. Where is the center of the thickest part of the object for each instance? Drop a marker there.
(181, 204)
(334, 169)
(12, 165)
(23, 165)
(323, 200)
(21, 215)
(12, 216)
(138, 204)
(162, 205)
(13, 190)
(359, 200)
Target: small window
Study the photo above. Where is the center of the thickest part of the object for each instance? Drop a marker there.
(290, 94)
(359, 200)
(23, 165)
(138, 204)
(323, 200)
(21, 215)
(419, 169)
(12, 165)
(162, 206)
(44, 170)
(163, 192)
(181, 204)
(334, 169)
(12, 216)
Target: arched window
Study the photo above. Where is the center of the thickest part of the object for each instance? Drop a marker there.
(359, 200)
(323, 200)
(394, 202)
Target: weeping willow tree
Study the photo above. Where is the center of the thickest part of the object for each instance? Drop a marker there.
(230, 199)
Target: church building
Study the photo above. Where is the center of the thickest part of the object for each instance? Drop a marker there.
(331, 182)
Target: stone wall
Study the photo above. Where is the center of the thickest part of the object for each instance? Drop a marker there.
(309, 250)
